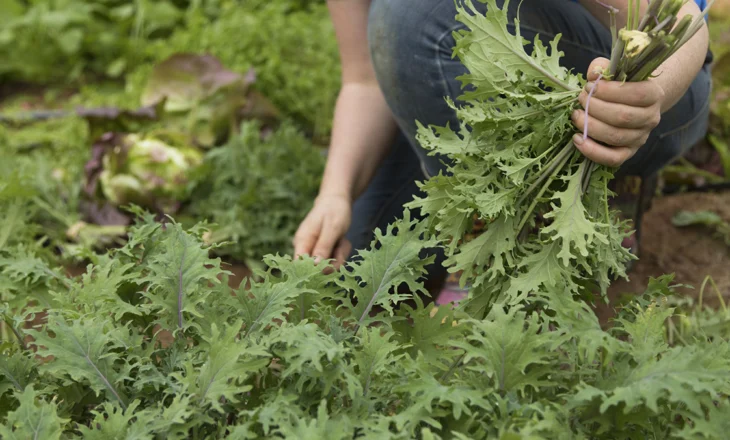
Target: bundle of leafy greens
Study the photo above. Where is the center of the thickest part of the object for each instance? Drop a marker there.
(513, 164)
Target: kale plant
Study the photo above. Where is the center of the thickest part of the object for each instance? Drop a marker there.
(150, 343)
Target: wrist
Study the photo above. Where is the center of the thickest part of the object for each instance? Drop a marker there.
(338, 185)
(334, 194)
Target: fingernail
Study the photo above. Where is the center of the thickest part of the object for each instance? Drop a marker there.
(317, 260)
(578, 139)
(589, 86)
(575, 114)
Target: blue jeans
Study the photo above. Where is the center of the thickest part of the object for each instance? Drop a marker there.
(411, 47)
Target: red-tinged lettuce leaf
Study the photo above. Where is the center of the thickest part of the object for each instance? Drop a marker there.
(204, 99)
(111, 119)
(103, 213)
(150, 171)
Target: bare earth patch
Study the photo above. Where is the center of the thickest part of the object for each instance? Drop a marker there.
(691, 253)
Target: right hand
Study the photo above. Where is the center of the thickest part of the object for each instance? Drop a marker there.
(322, 233)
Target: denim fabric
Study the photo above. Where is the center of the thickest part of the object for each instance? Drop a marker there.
(411, 44)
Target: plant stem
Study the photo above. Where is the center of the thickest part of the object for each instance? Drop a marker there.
(652, 12)
(559, 166)
(616, 54)
(567, 149)
(586, 179)
(18, 336)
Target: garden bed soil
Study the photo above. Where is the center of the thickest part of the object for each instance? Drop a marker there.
(691, 253)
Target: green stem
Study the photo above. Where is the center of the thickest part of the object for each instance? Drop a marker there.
(18, 336)
(586, 179)
(453, 367)
(567, 149)
(652, 12)
(616, 54)
(559, 167)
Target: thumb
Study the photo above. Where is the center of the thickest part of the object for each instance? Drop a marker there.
(597, 66)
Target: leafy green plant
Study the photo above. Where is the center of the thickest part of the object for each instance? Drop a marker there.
(289, 43)
(256, 189)
(151, 344)
(292, 50)
(55, 40)
(152, 171)
(704, 218)
(41, 175)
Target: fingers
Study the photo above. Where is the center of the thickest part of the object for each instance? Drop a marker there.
(598, 65)
(342, 251)
(609, 134)
(328, 238)
(635, 94)
(619, 115)
(321, 233)
(609, 156)
(306, 236)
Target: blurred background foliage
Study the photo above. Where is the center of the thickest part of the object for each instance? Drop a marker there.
(58, 55)
(104, 49)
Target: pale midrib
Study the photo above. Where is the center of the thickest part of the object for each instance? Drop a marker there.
(378, 291)
(15, 382)
(210, 382)
(180, 291)
(98, 372)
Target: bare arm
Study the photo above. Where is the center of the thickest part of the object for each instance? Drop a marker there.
(363, 125)
(362, 132)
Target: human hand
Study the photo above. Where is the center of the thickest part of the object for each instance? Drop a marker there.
(322, 233)
(620, 116)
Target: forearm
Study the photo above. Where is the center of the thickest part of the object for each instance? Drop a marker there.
(677, 73)
(363, 131)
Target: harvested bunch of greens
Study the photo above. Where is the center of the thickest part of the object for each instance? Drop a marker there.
(514, 166)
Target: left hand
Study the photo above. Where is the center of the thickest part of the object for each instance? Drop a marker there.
(620, 117)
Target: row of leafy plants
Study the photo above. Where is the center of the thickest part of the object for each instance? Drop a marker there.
(202, 143)
(137, 104)
(79, 43)
(150, 342)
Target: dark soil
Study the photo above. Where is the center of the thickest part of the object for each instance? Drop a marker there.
(690, 253)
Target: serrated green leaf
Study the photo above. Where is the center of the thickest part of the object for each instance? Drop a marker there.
(487, 256)
(510, 349)
(34, 419)
(571, 225)
(220, 375)
(496, 59)
(176, 269)
(395, 259)
(85, 350)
